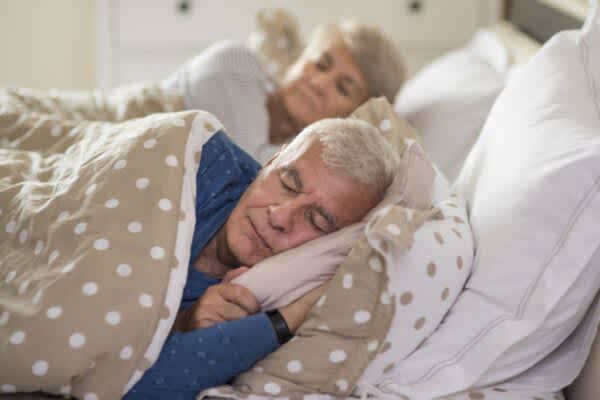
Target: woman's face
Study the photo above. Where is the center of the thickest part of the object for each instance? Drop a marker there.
(331, 86)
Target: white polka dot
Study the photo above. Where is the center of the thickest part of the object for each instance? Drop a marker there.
(260, 370)
(145, 300)
(294, 366)
(124, 270)
(272, 388)
(90, 396)
(4, 318)
(10, 276)
(90, 288)
(101, 244)
(134, 227)
(372, 346)
(142, 183)
(6, 388)
(39, 246)
(324, 328)
(53, 256)
(90, 189)
(347, 281)
(23, 236)
(111, 203)
(76, 340)
(65, 390)
(362, 316)
(80, 228)
(126, 353)
(11, 226)
(39, 368)
(67, 268)
(54, 312)
(120, 164)
(337, 356)
(385, 125)
(23, 287)
(171, 160)
(385, 298)
(63, 216)
(165, 204)
(394, 229)
(113, 317)
(157, 252)
(375, 264)
(179, 122)
(17, 337)
(321, 300)
(56, 130)
(150, 143)
(342, 384)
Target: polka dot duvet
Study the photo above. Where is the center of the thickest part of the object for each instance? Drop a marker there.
(95, 225)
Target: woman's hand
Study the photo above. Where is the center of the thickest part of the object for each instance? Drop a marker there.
(296, 312)
(222, 302)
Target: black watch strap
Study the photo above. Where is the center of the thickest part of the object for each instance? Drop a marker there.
(281, 327)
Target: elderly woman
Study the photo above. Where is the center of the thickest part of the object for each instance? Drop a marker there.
(342, 66)
(310, 189)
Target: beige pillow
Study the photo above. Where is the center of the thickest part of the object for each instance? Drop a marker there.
(276, 41)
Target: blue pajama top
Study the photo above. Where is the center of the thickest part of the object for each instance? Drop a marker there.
(193, 361)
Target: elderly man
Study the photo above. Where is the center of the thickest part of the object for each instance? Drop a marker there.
(328, 177)
(342, 66)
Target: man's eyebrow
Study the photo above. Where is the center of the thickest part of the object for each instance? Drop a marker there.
(293, 172)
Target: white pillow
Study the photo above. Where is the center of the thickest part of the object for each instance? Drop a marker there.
(448, 101)
(424, 281)
(532, 183)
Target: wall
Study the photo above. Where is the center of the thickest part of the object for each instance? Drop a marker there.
(47, 44)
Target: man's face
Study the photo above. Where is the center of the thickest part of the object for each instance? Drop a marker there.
(290, 204)
(332, 86)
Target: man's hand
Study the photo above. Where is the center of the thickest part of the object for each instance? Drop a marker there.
(296, 312)
(220, 303)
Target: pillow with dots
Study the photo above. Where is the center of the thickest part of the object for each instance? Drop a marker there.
(276, 41)
(390, 293)
(94, 246)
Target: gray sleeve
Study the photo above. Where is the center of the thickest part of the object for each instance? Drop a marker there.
(228, 81)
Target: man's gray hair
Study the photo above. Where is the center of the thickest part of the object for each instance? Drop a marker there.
(378, 58)
(351, 146)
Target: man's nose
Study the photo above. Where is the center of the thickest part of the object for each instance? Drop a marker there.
(282, 215)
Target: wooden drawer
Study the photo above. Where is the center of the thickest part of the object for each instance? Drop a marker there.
(162, 23)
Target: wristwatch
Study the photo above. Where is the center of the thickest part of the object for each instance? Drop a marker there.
(281, 327)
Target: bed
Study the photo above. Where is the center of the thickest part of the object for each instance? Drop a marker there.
(523, 16)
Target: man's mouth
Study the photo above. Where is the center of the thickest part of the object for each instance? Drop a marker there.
(261, 240)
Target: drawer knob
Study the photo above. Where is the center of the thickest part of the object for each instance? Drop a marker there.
(415, 6)
(184, 6)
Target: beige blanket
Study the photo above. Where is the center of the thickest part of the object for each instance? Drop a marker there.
(120, 104)
(95, 225)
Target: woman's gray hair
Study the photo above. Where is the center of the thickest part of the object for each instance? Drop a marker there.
(378, 58)
(350, 145)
